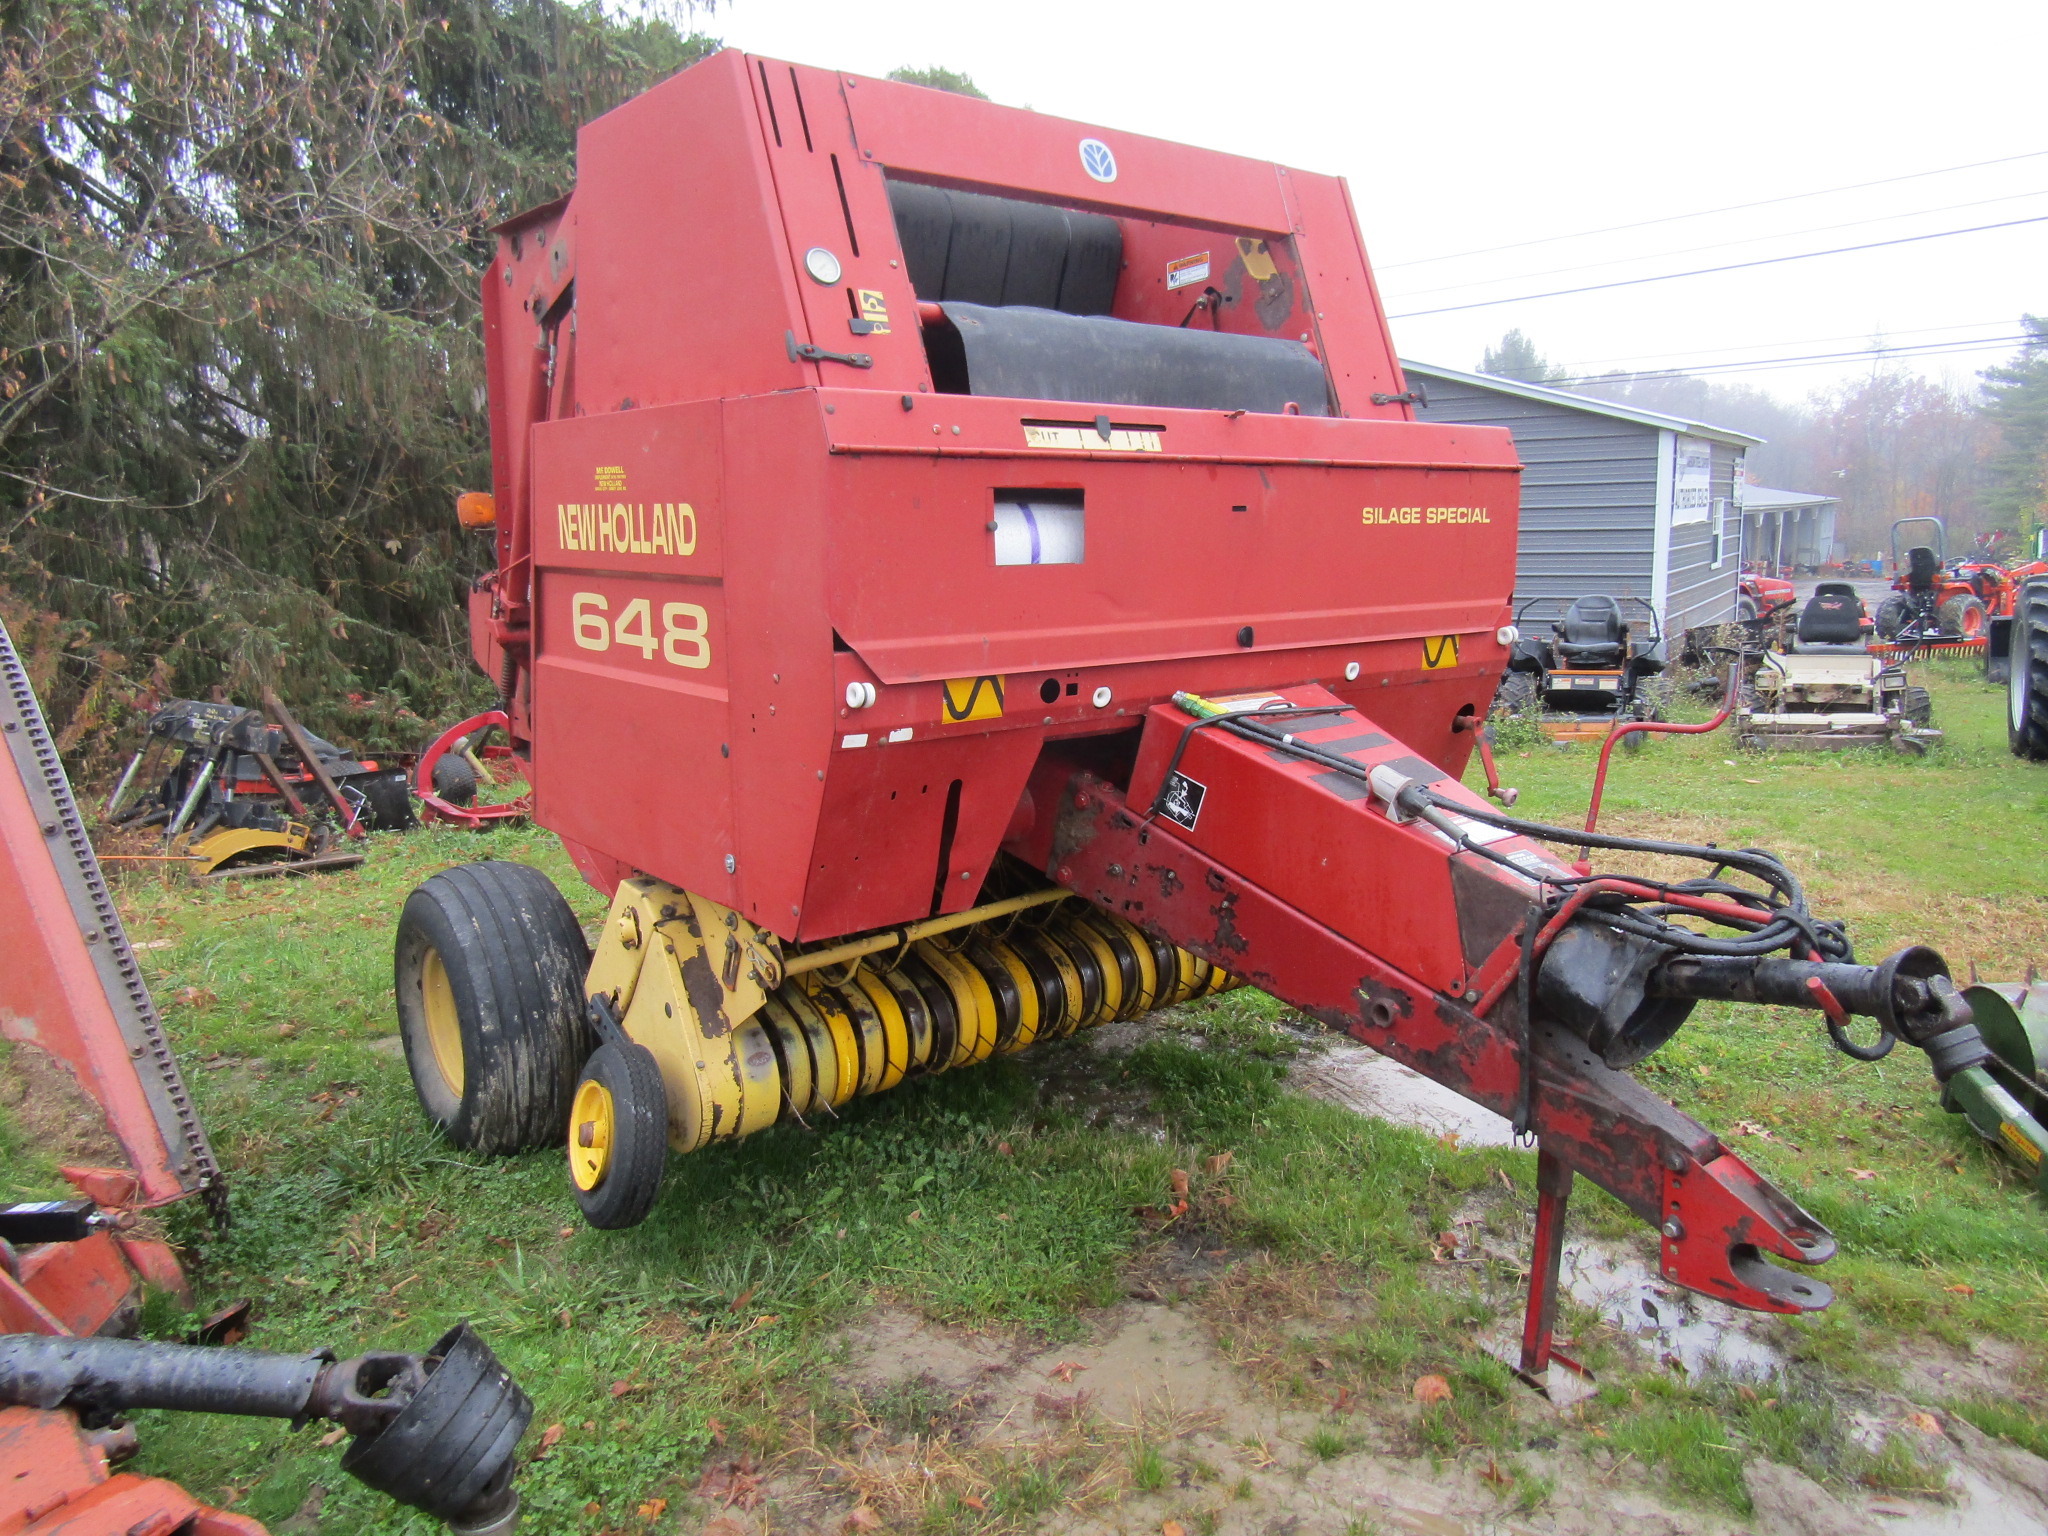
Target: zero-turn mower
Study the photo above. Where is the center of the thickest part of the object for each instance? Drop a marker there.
(1590, 672)
(963, 576)
(1819, 700)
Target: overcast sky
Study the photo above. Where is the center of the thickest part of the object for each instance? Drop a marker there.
(1482, 124)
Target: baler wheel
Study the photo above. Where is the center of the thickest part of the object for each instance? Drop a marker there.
(488, 968)
(618, 1135)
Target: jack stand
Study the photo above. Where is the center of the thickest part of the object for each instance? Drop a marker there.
(1539, 1353)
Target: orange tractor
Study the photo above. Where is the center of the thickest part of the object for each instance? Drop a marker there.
(1943, 605)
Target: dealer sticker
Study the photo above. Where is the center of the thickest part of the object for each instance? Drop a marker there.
(1187, 269)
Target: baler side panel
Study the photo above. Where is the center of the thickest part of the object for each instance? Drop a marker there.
(1156, 253)
(630, 702)
(685, 286)
(1350, 328)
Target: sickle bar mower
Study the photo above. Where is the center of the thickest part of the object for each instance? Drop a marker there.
(963, 576)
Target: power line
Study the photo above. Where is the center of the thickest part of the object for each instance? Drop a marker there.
(1805, 341)
(1679, 218)
(1720, 245)
(1733, 266)
(1815, 359)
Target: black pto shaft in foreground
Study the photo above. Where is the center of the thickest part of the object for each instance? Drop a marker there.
(435, 1431)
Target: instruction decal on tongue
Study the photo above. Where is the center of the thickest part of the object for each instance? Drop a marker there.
(1184, 270)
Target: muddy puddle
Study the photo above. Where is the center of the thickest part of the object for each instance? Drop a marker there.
(1678, 1327)
(1361, 1079)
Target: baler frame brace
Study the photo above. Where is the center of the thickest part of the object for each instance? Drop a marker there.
(1505, 1042)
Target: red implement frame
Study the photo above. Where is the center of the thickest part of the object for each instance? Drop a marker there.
(474, 817)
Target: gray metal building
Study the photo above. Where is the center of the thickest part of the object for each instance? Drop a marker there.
(1788, 531)
(1614, 499)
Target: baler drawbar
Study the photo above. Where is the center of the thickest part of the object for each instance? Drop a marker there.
(963, 576)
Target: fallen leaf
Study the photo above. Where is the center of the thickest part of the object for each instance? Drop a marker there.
(1493, 1473)
(1173, 1528)
(549, 1439)
(863, 1519)
(1064, 1371)
(1448, 1141)
(334, 1437)
(917, 1215)
(1002, 1149)
(972, 1502)
(1220, 1161)
(1752, 781)
(744, 1297)
(1002, 1215)
(728, 1525)
(1960, 1290)
(196, 997)
(1343, 1400)
(593, 1509)
(1432, 1389)
(717, 1430)
(568, 1231)
(1862, 1173)
(1179, 1183)
(1926, 1423)
(652, 1509)
(626, 1388)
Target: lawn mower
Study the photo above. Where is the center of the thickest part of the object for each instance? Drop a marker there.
(1809, 700)
(238, 788)
(436, 1431)
(1590, 672)
(934, 645)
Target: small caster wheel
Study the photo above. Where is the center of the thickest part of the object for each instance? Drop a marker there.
(618, 1135)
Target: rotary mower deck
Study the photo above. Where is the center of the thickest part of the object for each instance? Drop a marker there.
(964, 575)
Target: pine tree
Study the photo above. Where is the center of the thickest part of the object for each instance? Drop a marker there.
(240, 365)
(2016, 403)
(1517, 358)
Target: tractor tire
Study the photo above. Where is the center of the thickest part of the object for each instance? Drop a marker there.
(2027, 689)
(1746, 610)
(455, 780)
(1916, 705)
(1891, 617)
(489, 969)
(1964, 616)
(618, 1135)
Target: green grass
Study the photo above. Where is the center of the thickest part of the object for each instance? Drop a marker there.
(716, 1323)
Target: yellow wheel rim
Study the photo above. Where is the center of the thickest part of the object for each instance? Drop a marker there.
(444, 1023)
(592, 1128)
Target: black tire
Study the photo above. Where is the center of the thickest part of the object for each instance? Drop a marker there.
(1963, 616)
(1917, 705)
(455, 780)
(1891, 616)
(2027, 689)
(387, 800)
(1516, 695)
(623, 1190)
(489, 969)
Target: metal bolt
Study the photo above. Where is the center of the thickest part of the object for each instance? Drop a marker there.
(731, 863)
(1065, 875)
(49, 829)
(956, 431)
(1674, 1229)
(1115, 870)
(1472, 996)
(1081, 800)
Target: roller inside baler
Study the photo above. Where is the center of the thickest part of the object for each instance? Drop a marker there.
(887, 483)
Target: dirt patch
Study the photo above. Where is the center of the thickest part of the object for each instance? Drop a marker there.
(52, 1113)
(893, 1346)
(1933, 1372)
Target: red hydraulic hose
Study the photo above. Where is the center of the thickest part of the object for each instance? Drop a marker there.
(1663, 727)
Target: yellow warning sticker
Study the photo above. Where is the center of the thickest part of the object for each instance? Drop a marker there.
(874, 309)
(1439, 651)
(611, 477)
(973, 698)
(2021, 1144)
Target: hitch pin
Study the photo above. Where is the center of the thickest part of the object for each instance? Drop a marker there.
(1829, 1003)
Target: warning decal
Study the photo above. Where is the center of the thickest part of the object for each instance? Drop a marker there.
(874, 309)
(1180, 799)
(2020, 1143)
(1187, 269)
(972, 698)
(1439, 651)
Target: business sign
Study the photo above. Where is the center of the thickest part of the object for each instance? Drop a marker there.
(1692, 488)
